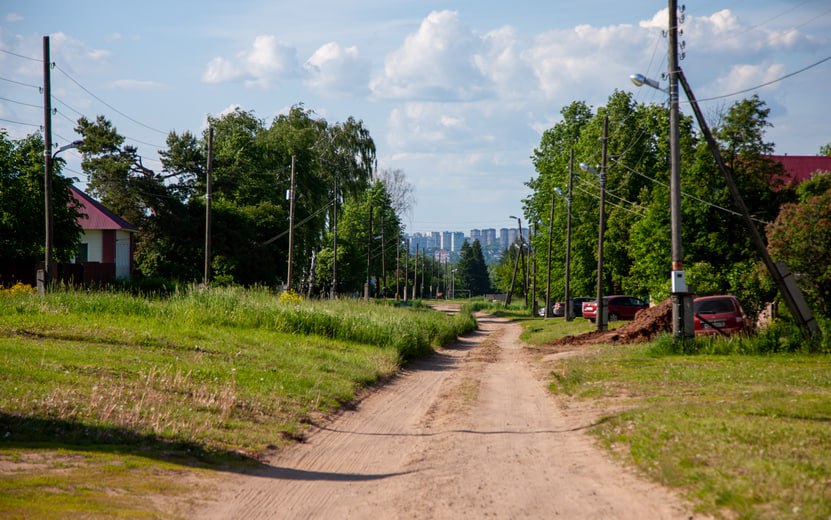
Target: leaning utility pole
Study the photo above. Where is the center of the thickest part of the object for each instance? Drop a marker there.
(208, 188)
(47, 169)
(682, 320)
(778, 271)
(291, 225)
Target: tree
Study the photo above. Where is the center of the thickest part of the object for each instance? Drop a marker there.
(400, 190)
(801, 236)
(22, 221)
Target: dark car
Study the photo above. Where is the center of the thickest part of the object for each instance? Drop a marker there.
(576, 306)
(621, 307)
(718, 315)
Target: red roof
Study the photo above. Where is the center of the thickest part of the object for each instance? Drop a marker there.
(802, 167)
(98, 217)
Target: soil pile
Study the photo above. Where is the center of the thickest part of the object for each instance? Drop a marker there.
(647, 324)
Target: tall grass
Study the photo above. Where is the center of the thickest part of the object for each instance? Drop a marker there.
(224, 367)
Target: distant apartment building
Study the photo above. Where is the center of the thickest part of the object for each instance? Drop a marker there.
(488, 236)
(503, 238)
(442, 256)
(476, 234)
(446, 240)
(457, 239)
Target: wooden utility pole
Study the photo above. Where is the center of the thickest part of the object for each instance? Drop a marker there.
(291, 225)
(334, 293)
(48, 274)
(368, 255)
(569, 312)
(208, 195)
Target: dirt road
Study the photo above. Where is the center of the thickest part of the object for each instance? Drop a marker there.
(470, 433)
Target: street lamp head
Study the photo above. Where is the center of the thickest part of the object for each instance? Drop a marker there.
(586, 168)
(559, 192)
(73, 144)
(640, 80)
(511, 216)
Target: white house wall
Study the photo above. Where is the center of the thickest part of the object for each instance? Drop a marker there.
(95, 244)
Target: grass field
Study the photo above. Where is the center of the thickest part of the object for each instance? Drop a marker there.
(742, 436)
(103, 392)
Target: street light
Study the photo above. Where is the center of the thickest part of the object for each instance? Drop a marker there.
(46, 275)
(602, 316)
(682, 311)
(567, 296)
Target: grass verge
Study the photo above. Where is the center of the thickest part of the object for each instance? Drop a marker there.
(201, 379)
(744, 436)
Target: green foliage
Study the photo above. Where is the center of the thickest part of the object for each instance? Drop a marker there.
(718, 253)
(472, 270)
(801, 236)
(22, 225)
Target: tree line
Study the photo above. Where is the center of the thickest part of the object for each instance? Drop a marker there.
(719, 256)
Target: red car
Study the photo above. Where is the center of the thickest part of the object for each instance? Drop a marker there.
(719, 315)
(620, 308)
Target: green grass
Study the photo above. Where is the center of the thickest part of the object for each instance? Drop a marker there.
(538, 331)
(743, 436)
(204, 378)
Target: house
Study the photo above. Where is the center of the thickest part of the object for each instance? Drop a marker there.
(799, 168)
(107, 244)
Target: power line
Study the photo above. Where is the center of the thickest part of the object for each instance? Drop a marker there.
(687, 195)
(18, 122)
(298, 224)
(610, 203)
(21, 103)
(786, 76)
(21, 56)
(107, 104)
(20, 83)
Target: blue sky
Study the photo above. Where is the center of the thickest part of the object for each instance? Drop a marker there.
(456, 94)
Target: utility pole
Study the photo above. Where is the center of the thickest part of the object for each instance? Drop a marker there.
(533, 258)
(335, 244)
(48, 274)
(547, 313)
(415, 274)
(368, 255)
(516, 264)
(569, 312)
(602, 318)
(682, 320)
(383, 258)
(406, 268)
(208, 195)
(291, 224)
(398, 268)
(423, 268)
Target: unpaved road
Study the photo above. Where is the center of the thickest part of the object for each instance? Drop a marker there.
(470, 433)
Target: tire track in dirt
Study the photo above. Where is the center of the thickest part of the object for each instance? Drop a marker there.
(471, 432)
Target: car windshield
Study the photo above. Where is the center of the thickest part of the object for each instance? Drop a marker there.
(714, 306)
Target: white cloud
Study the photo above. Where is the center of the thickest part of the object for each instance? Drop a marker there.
(745, 76)
(266, 62)
(435, 63)
(13, 17)
(230, 109)
(333, 69)
(136, 84)
(98, 54)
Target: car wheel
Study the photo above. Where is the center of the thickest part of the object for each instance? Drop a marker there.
(613, 317)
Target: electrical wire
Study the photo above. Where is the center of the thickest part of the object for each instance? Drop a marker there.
(610, 203)
(107, 104)
(21, 83)
(18, 122)
(777, 80)
(688, 196)
(4, 51)
(297, 224)
(21, 103)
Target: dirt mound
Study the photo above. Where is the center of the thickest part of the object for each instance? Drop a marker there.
(647, 324)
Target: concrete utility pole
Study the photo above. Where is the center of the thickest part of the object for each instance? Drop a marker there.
(335, 244)
(416, 292)
(682, 311)
(398, 268)
(368, 255)
(547, 313)
(291, 225)
(569, 312)
(602, 319)
(208, 194)
(516, 263)
(406, 268)
(533, 259)
(45, 278)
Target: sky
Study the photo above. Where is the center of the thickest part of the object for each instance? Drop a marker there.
(455, 94)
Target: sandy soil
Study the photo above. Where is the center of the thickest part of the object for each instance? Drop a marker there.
(470, 433)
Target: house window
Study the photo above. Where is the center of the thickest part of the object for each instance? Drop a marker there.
(82, 254)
